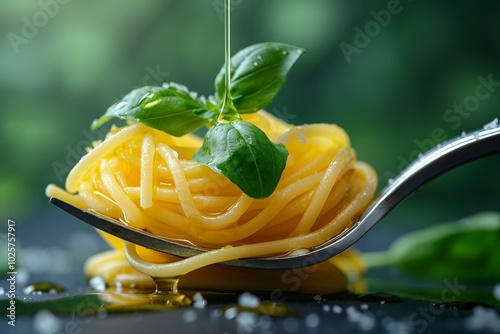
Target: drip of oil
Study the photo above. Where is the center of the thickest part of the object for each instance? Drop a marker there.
(131, 298)
(228, 112)
(167, 294)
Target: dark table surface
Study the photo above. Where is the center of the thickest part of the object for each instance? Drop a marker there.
(391, 303)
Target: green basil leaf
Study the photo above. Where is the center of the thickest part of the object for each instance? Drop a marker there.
(242, 152)
(170, 108)
(466, 249)
(257, 74)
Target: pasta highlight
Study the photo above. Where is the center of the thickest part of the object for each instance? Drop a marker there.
(147, 179)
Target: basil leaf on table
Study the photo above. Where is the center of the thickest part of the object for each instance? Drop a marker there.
(467, 250)
(257, 74)
(171, 108)
(242, 152)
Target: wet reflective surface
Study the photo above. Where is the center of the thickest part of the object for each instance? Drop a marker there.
(386, 303)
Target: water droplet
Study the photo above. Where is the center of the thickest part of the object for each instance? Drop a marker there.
(254, 63)
(120, 105)
(259, 57)
(149, 101)
(284, 52)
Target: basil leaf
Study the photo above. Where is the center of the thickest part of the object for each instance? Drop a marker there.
(242, 152)
(257, 74)
(170, 108)
(466, 249)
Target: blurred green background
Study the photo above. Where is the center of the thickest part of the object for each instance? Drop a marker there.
(63, 62)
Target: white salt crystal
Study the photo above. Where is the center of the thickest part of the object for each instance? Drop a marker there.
(248, 299)
(496, 291)
(189, 316)
(299, 251)
(336, 309)
(367, 322)
(98, 283)
(317, 298)
(199, 301)
(230, 313)
(491, 125)
(247, 321)
(45, 322)
(312, 320)
(483, 319)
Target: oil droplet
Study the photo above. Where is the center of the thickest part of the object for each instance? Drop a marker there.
(166, 285)
(39, 288)
(166, 293)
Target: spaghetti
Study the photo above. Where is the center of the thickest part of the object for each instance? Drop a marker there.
(146, 178)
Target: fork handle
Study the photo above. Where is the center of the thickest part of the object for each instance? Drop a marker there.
(443, 157)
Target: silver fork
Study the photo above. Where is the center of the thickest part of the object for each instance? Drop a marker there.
(434, 162)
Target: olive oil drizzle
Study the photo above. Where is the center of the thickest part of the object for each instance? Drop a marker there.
(228, 110)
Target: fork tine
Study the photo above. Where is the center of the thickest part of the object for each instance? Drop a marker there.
(128, 233)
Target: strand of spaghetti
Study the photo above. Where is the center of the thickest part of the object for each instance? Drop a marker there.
(181, 267)
(279, 200)
(229, 253)
(360, 201)
(99, 152)
(315, 165)
(186, 200)
(54, 191)
(175, 223)
(131, 212)
(147, 170)
(320, 196)
(214, 203)
(281, 227)
(86, 192)
(213, 184)
(106, 264)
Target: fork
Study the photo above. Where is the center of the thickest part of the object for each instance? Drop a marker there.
(443, 157)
